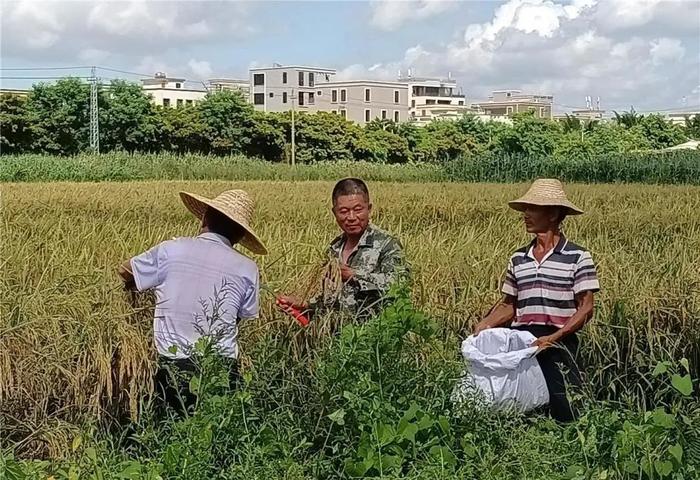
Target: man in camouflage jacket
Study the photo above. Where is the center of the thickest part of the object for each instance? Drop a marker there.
(371, 260)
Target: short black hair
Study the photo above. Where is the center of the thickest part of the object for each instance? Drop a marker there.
(219, 223)
(350, 186)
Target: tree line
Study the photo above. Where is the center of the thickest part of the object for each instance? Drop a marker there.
(54, 119)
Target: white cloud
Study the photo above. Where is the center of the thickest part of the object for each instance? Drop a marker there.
(200, 69)
(666, 50)
(622, 50)
(393, 14)
(41, 31)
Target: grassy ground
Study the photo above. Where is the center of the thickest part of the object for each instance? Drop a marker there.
(72, 350)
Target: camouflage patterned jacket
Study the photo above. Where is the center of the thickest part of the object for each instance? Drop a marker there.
(377, 262)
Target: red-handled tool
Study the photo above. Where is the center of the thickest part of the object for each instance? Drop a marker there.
(295, 313)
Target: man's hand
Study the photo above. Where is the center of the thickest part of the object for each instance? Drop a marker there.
(545, 342)
(481, 326)
(286, 303)
(346, 272)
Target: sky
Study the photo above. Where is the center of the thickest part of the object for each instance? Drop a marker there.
(641, 53)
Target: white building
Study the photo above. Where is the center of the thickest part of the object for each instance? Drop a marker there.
(362, 101)
(173, 92)
(509, 102)
(678, 118)
(272, 88)
(231, 84)
(432, 98)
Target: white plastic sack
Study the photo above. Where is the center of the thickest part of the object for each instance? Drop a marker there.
(502, 367)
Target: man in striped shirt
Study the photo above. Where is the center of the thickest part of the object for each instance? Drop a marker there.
(548, 289)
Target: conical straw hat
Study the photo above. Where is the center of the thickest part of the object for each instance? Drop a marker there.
(236, 205)
(545, 192)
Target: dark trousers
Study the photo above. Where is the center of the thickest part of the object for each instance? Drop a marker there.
(172, 382)
(550, 361)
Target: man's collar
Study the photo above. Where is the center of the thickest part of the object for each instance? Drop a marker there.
(557, 248)
(215, 237)
(365, 241)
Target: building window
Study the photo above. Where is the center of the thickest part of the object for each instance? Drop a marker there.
(413, 104)
(258, 79)
(368, 95)
(166, 102)
(344, 113)
(179, 102)
(396, 116)
(509, 110)
(396, 96)
(188, 103)
(422, 113)
(284, 97)
(272, 95)
(178, 85)
(367, 114)
(301, 79)
(311, 98)
(259, 99)
(461, 102)
(301, 98)
(311, 79)
(284, 77)
(319, 93)
(508, 94)
(334, 96)
(343, 95)
(383, 114)
(430, 102)
(444, 102)
(541, 112)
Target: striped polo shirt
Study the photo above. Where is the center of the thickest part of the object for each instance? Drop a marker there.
(546, 291)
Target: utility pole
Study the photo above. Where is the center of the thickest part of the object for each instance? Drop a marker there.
(294, 98)
(94, 114)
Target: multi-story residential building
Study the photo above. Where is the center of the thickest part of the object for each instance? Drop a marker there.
(15, 92)
(272, 88)
(510, 102)
(173, 92)
(582, 114)
(234, 84)
(678, 118)
(426, 92)
(362, 101)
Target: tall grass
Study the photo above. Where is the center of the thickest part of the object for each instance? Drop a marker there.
(678, 167)
(72, 348)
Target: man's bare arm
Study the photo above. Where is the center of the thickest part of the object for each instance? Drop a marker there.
(584, 312)
(502, 313)
(127, 275)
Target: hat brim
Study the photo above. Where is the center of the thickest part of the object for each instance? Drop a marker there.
(198, 205)
(521, 204)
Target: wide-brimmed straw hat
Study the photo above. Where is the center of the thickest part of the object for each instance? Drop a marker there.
(236, 205)
(545, 192)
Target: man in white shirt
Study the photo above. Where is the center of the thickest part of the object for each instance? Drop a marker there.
(203, 287)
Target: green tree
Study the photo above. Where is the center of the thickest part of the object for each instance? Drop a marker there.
(442, 141)
(324, 136)
(15, 131)
(59, 116)
(628, 119)
(692, 126)
(660, 132)
(614, 138)
(531, 136)
(268, 140)
(128, 119)
(382, 146)
(228, 122)
(182, 130)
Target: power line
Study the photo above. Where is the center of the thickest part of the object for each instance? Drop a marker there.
(42, 68)
(124, 72)
(40, 78)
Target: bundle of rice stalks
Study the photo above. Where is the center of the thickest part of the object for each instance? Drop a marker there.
(320, 285)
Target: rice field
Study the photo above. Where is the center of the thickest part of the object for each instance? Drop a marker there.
(73, 349)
